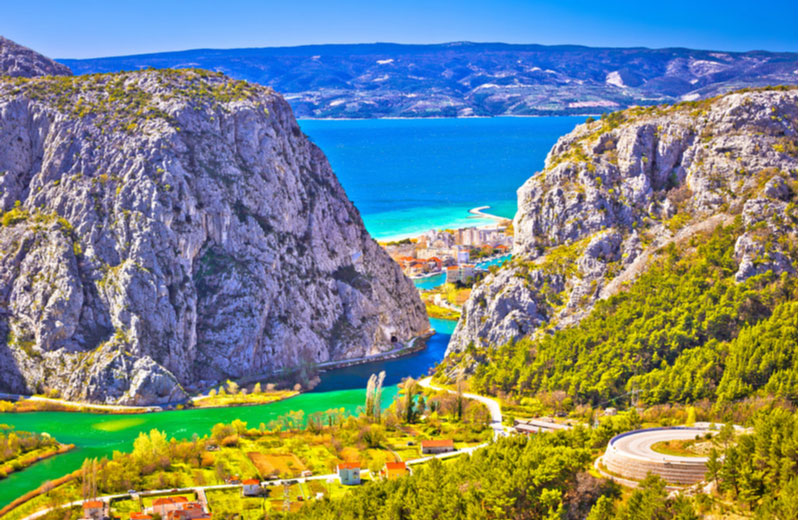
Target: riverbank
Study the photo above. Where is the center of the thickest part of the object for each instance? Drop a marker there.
(24, 461)
(18, 403)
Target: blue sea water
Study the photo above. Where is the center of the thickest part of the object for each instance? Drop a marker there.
(407, 176)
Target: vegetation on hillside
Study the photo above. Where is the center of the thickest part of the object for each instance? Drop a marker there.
(683, 331)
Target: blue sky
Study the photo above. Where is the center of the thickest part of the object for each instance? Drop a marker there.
(83, 28)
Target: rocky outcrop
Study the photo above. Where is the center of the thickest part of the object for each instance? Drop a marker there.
(21, 62)
(165, 230)
(615, 190)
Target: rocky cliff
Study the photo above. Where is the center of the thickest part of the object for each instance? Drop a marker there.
(163, 230)
(19, 61)
(615, 190)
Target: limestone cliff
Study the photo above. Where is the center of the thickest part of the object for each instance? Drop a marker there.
(615, 190)
(163, 230)
(19, 61)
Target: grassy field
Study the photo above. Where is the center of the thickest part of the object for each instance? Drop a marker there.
(276, 464)
(679, 448)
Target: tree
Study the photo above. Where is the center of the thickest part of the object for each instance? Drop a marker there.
(232, 387)
(257, 388)
(372, 403)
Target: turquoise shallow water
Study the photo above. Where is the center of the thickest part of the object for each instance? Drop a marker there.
(407, 176)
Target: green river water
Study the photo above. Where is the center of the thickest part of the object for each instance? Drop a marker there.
(97, 435)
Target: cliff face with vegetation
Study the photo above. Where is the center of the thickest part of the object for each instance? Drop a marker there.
(649, 233)
(165, 230)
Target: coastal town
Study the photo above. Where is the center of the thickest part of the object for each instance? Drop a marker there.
(457, 253)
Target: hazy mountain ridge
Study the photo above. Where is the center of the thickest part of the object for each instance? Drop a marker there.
(473, 79)
(162, 230)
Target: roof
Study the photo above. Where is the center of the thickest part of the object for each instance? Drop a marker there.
(349, 465)
(438, 443)
(91, 504)
(140, 516)
(452, 268)
(395, 465)
(163, 501)
(251, 482)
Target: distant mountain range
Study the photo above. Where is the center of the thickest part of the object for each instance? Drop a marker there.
(473, 79)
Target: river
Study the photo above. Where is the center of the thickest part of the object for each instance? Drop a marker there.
(100, 435)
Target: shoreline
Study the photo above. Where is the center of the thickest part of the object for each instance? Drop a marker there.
(473, 213)
(412, 346)
(60, 450)
(415, 118)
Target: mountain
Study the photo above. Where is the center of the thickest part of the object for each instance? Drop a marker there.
(18, 61)
(473, 79)
(657, 252)
(163, 230)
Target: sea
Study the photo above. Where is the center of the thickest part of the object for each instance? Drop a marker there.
(407, 176)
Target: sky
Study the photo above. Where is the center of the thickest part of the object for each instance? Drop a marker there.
(94, 28)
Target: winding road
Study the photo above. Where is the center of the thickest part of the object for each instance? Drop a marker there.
(491, 404)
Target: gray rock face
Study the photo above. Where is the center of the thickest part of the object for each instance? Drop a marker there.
(165, 230)
(21, 62)
(615, 190)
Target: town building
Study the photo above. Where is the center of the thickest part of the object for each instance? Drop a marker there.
(189, 511)
(437, 446)
(393, 470)
(94, 509)
(460, 273)
(349, 473)
(251, 487)
(165, 505)
(461, 254)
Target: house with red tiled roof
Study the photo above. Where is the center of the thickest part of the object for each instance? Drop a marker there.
(349, 473)
(437, 446)
(164, 505)
(189, 511)
(251, 487)
(393, 470)
(94, 509)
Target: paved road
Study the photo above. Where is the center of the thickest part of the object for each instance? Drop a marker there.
(639, 444)
(491, 404)
(276, 482)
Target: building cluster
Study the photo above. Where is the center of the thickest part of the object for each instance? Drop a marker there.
(349, 473)
(439, 251)
(167, 508)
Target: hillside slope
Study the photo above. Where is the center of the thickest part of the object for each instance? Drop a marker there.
(21, 62)
(164, 230)
(473, 79)
(648, 233)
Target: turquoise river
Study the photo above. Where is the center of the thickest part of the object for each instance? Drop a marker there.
(100, 435)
